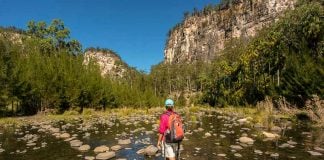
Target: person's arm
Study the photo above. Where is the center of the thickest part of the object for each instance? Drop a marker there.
(161, 131)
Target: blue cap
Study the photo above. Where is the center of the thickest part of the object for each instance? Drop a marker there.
(169, 103)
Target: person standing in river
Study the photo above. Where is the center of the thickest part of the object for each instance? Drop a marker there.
(171, 132)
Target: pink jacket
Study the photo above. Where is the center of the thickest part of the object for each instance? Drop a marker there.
(164, 118)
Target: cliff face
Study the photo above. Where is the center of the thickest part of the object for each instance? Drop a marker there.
(201, 37)
(109, 62)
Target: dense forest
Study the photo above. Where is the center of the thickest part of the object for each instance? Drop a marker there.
(42, 70)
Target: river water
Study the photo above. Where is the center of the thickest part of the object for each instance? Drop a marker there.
(210, 136)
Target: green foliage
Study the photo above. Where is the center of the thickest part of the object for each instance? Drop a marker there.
(46, 72)
(53, 37)
(283, 60)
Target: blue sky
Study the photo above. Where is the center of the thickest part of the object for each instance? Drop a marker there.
(135, 29)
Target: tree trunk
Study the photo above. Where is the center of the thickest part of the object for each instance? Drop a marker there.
(278, 77)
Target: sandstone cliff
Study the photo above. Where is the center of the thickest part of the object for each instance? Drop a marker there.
(201, 36)
(109, 62)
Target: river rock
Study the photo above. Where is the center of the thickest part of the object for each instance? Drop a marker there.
(125, 141)
(243, 120)
(246, 140)
(141, 151)
(31, 144)
(222, 136)
(236, 147)
(65, 135)
(76, 143)
(101, 148)
(106, 155)
(149, 132)
(54, 130)
(238, 155)
(276, 129)
(84, 148)
(221, 155)
(319, 149)
(313, 153)
(207, 134)
(291, 142)
(259, 152)
(89, 158)
(285, 145)
(274, 155)
(270, 135)
(116, 147)
(200, 129)
(69, 139)
(151, 150)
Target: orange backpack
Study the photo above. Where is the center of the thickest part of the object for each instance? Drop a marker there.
(175, 132)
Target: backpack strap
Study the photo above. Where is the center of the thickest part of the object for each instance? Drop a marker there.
(168, 113)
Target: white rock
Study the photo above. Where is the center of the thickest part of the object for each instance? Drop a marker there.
(274, 155)
(84, 148)
(236, 147)
(207, 134)
(101, 148)
(116, 147)
(319, 149)
(243, 120)
(31, 144)
(237, 155)
(313, 153)
(76, 143)
(221, 155)
(105, 155)
(246, 140)
(291, 142)
(65, 135)
(270, 135)
(89, 158)
(126, 141)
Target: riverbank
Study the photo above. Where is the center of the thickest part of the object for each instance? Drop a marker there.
(260, 116)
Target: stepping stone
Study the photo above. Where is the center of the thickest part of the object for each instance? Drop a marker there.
(313, 153)
(236, 147)
(207, 134)
(246, 140)
(101, 148)
(291, 142)
(141, 151)
(65, 135)
(105, 155)
(84, 148)
(221, 155)
(151, 150)
(116, 147)
(237, 155)
(31, 144)
(76, 143)
(124, 142)
(270, 135)
(319, 149)
(274, 155)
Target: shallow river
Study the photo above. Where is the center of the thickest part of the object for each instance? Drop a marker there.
(211, 136)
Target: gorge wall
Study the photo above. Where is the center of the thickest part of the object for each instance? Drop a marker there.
(202, 36)
(109, 62)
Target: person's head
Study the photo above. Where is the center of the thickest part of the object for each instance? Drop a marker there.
(169, 104)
